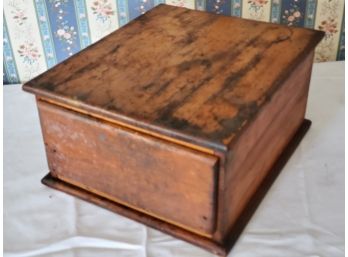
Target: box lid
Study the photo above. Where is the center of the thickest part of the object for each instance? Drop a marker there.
(186, 75)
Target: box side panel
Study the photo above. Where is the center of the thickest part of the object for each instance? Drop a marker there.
(167, 181)
(252, 156)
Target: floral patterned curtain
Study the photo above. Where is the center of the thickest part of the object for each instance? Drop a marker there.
(39, 34)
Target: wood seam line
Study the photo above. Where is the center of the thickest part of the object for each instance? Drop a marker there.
(77, 184)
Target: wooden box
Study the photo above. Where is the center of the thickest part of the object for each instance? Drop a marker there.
(180, 120)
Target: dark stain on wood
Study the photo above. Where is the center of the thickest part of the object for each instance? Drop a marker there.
(167, 65)
(188, 108)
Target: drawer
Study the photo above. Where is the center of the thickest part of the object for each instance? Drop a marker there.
(157, 177)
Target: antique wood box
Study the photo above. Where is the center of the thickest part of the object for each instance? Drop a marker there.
(181, 119)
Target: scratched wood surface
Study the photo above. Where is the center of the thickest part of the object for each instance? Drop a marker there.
(164, 180)
(198, 74)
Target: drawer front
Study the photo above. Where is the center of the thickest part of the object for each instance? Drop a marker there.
(165, 180)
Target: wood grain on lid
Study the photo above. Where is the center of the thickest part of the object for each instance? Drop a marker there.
(192, 75)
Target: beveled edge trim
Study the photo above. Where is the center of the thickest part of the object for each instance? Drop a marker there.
(129, 212)
(116, 200)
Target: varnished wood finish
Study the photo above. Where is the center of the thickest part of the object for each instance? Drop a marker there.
(254, 201)
(131, 213)
(256, 149)
(132, 168)
(197, 76)
(220, 249)
(177, 118)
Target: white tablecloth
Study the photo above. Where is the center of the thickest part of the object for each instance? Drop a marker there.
(302, 215)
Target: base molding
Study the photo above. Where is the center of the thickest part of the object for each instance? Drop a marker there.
(206, 243)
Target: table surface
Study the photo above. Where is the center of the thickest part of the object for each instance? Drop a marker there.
(302, 215)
